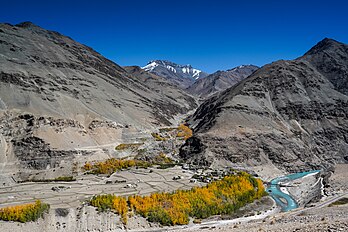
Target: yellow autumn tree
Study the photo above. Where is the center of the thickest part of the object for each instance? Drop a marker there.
(184, 131)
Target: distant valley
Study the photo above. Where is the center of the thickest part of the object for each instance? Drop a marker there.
(195, 81)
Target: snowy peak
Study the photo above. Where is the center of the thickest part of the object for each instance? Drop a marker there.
(243, 70)
(150, 66)
(243, 67)
(183, 75)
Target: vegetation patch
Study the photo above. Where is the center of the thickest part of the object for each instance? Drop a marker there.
(222, 197)
(125, 146)
(141, 152)
(24, 213)
(165, 166)
(341, 201)
(162, 159)
(184, 132)
(167, 129)
(65, 178)
(157, 137)
(113, 165)
(60, 178)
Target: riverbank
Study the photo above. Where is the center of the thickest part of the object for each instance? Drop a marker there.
(307, 189)
(314, 220)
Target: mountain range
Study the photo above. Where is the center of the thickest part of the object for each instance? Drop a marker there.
(195, 81)
(181, 75)
(72, 116)
(289, 115)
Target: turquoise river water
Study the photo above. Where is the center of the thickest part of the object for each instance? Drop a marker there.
(275, 192)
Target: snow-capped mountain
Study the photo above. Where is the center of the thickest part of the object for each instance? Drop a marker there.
(181, 75)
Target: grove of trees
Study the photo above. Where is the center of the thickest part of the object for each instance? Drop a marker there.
(220, 197)
(112, 165)
(24, 213)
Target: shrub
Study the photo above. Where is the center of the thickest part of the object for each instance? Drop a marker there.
(64, 178)
(165, 166)
(88, 166)
(167, 129)
(103, 202)
(157, 137)
(124, 146)
(341, 201)
(60, 178)
(162, 159)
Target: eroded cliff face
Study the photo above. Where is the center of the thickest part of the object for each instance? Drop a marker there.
(81, 219)
(291, 114)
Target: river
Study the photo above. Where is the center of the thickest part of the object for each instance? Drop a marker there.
(275, 192)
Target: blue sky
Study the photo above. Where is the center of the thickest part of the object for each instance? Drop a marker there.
(210, 35)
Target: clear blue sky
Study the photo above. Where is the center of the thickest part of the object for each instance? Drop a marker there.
(210, 35)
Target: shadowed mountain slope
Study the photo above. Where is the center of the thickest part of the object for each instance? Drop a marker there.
(291, 114)
(220, 80)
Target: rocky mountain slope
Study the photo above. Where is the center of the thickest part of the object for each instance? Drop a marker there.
(288, 115)
(162, 86)
(180, 75)
(58, 97)
(220, 80)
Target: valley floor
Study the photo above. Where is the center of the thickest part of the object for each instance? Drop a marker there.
(262, 216)
(72, 194)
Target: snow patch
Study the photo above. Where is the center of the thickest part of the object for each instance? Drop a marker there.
(196, 73)
(170, 68)
(186, 71)
(151, 66)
